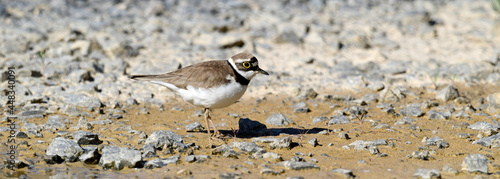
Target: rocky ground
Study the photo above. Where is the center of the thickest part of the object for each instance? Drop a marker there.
(366, 89)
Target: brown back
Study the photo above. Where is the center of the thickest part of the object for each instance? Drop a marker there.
(205, 75)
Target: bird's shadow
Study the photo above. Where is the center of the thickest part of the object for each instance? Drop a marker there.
(250, 128)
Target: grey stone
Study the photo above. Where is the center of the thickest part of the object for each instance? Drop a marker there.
(250, 127)
(158, 163)
(363, 145)
(475, 163)
(382, 126)
(437, 141)
(423, 155)
(229, 175)
(494, 100)
(21, 135)
(301, 110)
(405, 120)
(54, 123)
(283, 143)
(313, 142)
(343, 135)
(83, 124)
(193, 127)
(230, 154)
(412, 110)
(293, 165)
(439, 115)
(299, 105)
(119, 157)
(86, 138)
(339, 119)
(427, 173)
(148, 151)
(265, 140)
(101, 122)
(279, 120)
(307, 94)
(123, 128)
(159, 139)
(81, 100)
(268, 171)
(448, 169)
(375, 86)
(484, 126)
(196, 158)
(80, 76)
(31, 127)
(71, 110)
(272, 157)
(373, 150)
(448, 93)
(248, 148)
(65, 149)
(31, 114)
(90, 155)
(489, 141)
(320, 119)
(345, 172)
(34, 133)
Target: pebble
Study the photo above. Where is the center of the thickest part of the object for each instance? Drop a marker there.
(268, 171)
(283, 143)
(490, 141)
(475, 163)
(158, 162)
(343, 135)
(340, 119)
(320, 119)
(194, 127)
(63, 149)
(279, 120)
(437, 141)
(313, 142)
(90, 155)
(293, 165)
(345, 172)
(448, 93)
(158, 139)
(54, 123)
(118, 158)
(274, 157)
(427, 173)
(86, 138)
(404, 121)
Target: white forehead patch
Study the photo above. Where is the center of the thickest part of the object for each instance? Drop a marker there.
(242, 60)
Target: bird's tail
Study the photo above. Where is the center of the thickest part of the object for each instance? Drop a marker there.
(142, 77)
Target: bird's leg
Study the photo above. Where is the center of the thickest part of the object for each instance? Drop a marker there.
(216, 132)
(207, 117)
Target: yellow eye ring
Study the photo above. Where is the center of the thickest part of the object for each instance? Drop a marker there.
(247, 64)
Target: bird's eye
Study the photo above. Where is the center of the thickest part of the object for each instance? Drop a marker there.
(247, 64)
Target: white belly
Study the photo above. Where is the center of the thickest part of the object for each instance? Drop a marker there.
(213, 98)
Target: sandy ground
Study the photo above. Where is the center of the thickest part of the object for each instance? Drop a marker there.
(394, 165)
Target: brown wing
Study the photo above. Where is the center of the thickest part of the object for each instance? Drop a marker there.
(205, 74)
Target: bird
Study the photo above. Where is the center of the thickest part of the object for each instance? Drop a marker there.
(211, 84)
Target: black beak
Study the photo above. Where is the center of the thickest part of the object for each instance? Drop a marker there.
(261, 71)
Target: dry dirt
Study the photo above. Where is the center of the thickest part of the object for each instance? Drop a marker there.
(395, 165)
